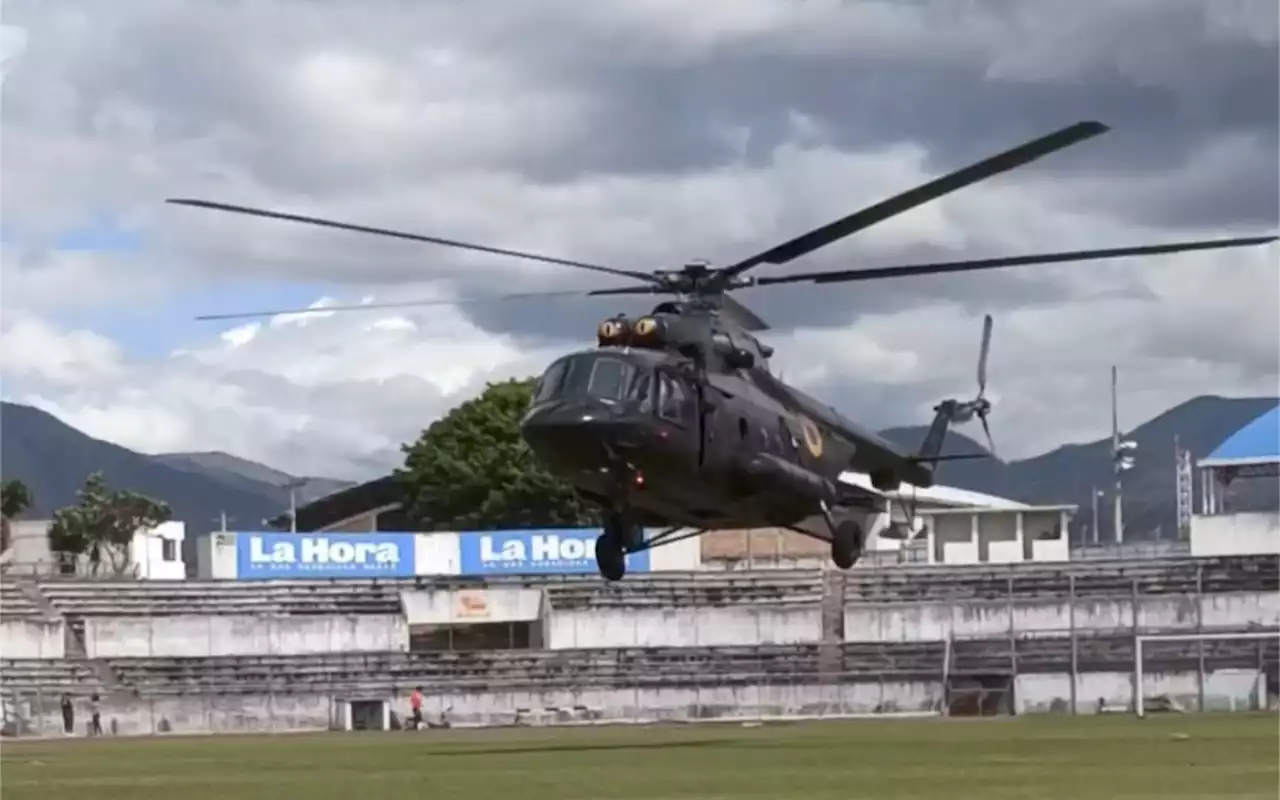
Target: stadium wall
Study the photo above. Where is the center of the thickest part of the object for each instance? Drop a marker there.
(921, 622)
(194, 635)
(30, 638)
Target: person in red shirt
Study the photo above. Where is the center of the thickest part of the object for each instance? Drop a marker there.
(415, 705)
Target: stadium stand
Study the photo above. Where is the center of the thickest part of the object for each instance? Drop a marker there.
(50, 676)
(800, 588)
(1095, 579)
(14, 603)
(311, 598)
(221, 655)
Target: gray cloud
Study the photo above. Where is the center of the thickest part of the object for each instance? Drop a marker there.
(642, 135)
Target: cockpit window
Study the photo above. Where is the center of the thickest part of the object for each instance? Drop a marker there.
(610, 379)
(551, 380)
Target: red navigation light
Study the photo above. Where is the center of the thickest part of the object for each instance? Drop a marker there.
(639, 479)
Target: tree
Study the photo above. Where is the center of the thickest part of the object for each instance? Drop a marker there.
(471, 470)
(15, 498)
(102, 524)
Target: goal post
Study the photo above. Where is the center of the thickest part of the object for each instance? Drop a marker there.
(1141, 640)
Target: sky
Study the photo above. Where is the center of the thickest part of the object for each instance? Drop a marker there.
(636, 133)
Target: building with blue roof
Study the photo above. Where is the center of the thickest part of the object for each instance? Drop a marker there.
(1255, 445)
(1251, 453)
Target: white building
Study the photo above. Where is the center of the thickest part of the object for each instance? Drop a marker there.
(154, 554)
(1250, 454)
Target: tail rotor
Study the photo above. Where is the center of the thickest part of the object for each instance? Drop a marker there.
(979, 406)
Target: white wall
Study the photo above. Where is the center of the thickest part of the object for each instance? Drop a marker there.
(148, 555)
(452, 606)
(676, 627)
(24, 638)
(1235, 534)
(121, 637)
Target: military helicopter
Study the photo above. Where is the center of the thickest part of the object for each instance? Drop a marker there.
(677, 414)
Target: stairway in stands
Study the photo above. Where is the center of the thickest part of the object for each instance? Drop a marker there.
(72, 632)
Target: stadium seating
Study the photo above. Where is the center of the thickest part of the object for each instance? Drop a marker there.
(709, 589)
(48, 677)
(540, 670)
(15, 603)
(312, 598)
(1085, 579)
(1106, 652)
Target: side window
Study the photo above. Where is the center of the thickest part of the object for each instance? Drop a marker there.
(673, 400)
(642, 392)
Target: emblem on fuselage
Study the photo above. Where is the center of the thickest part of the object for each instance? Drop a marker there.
(812, 437)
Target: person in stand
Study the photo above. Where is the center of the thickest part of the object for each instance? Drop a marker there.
(415, 706)
(68, 715)
(96, 715)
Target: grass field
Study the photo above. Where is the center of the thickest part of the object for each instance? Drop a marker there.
(1166, 757)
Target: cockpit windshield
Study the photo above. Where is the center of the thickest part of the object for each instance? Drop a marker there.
(599, 376)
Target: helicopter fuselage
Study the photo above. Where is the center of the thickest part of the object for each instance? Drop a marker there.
(638, 429)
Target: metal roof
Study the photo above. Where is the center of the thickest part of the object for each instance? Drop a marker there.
(942, 495)
(1255, 443)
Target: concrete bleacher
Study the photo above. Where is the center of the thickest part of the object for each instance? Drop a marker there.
(14, 603)
(310, 598)
(1087, 579)
(1109, 652)
(396, 672)
(780, 588)
(29, 676)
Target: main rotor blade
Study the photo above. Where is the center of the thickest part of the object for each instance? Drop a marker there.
(346, 226)
(399, 304)
(1002, 162)
(944, 267)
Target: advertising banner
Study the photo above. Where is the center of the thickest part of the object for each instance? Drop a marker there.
(264, 556)
(554, 551)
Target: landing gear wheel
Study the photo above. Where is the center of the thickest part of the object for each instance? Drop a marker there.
(846, 544)
(610, 558)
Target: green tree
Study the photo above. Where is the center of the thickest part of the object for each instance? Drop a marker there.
(15, 498)
(102, 524)
(471, 470)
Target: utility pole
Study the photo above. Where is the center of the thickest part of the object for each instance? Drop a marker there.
(1096, 537)
(224, 522)
(1121, 459)
(293, 504)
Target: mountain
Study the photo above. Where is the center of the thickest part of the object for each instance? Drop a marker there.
(226, 467)
(1069, 474)
(53, 458)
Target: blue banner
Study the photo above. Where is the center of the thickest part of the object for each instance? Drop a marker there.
(536, 552)
(324, 555)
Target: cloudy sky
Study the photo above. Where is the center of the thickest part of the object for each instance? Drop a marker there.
(638, 133)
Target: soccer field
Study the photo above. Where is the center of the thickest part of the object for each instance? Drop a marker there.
(1167, 757)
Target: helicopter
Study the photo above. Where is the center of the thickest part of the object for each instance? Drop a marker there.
(677, 415)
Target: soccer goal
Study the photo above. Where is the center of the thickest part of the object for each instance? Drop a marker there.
(1141, 641)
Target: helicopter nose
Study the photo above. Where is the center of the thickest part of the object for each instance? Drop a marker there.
(580, 431)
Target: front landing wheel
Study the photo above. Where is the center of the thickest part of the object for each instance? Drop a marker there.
(846, 544)
(611, 560)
